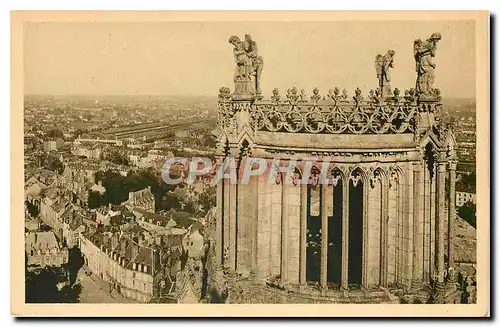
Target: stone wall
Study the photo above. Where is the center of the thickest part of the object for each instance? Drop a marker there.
(374, 233)
(244, 228)
(293, 242)
(392, 250)
(263, 228)
(426, 225)
(225, 222)
(407, 224)
(275, 253)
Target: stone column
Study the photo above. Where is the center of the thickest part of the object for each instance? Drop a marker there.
(284, 231)
(399, 230)
(440, 199)
(219, 222)
(417, 247)
(408, 229)
(451, 215)
(233, 220)
(324, 238)
(225, 222)
(365, 251)
(433, 221)
(345, 236)
(426, 246)
(303, 233)
(384, 232)
(255, 225)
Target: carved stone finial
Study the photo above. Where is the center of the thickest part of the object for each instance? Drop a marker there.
(315, 97)
(334, 94)
(410, 95)
(375, 96)
(357, 95)
(292, 95)
(276, 95)
(224, 93)
(396, 95)
(330, 94)
(303, 95)
(344, 94)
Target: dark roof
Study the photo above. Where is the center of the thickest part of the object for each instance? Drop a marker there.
(182, 219)
(129, 250)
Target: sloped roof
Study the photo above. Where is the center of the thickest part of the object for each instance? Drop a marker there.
(43, 241)
(34, 189)
(173, 218)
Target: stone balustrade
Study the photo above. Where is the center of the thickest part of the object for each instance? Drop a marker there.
(334, 113)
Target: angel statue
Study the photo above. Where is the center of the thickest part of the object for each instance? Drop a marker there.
(382, 65)
(424, 52)
(248, 65)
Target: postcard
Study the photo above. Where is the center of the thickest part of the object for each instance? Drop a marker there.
(306, 164)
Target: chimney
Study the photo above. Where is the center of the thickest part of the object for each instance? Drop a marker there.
(114, 241)
(131, 196)
(99, 183)
(135, 251)
(123, 247)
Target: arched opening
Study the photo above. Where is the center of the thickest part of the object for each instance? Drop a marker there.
(376, 242)
(334, 266)
(276, 189)
(313, 246)
(356, 210)
(393, 233)
(429, 237)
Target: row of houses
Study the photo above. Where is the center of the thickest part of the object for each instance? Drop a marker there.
(462, 198)
(138, 252)
(143, 257)
(131, 269)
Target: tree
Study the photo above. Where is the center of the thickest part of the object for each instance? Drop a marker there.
(468, 213)
(118, 186)
(51, 162)
(118, 158)
(116, 190)
(32, 209)
(467, 183)
(41, 287)
(209, 141)
(79, 132)
(207, 199)
(55, 133)
(96, 200)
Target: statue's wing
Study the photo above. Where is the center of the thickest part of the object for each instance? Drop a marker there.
(386, 61)
(379, 63)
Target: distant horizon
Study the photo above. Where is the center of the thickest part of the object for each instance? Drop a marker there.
(176, 95)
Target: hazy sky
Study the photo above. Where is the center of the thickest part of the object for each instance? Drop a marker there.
(194, 58)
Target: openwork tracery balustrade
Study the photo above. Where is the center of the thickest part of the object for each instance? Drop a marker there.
(334, 113)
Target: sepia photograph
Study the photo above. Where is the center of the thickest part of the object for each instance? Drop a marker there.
(178, 160)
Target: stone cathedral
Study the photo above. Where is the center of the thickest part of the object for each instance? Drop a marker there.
(381, 220)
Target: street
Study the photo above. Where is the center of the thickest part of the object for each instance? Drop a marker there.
(95, 290)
